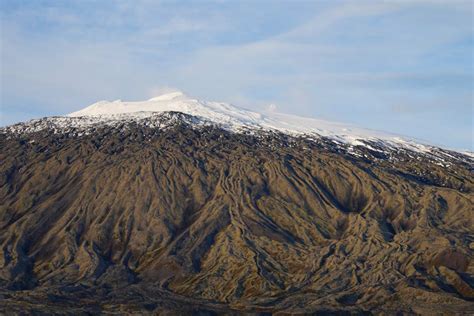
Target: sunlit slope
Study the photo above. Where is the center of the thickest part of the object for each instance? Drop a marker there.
(186, 217)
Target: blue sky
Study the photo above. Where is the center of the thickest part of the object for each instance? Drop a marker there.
(399, 66)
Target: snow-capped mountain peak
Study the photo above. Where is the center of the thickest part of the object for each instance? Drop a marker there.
(216, 112)
(223, 115)
(235, 118)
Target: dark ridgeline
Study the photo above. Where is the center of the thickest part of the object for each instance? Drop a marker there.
(198, 219)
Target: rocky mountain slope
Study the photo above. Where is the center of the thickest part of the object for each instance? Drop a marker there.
(171, 209)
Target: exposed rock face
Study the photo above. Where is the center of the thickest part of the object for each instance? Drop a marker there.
(189, 218)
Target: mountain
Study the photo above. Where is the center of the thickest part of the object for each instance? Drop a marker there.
(177, 205)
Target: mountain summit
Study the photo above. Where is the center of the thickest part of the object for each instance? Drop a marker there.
(180, 205)
(229, 117)
(234, 118)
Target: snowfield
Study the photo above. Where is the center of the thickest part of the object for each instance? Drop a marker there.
(235, 119)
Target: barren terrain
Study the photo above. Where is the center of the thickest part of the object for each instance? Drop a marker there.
(200, 219)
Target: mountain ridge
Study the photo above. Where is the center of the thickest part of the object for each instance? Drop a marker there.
(233, 117)
(225, 116)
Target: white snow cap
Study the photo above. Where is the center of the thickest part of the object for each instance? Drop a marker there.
(235, 118)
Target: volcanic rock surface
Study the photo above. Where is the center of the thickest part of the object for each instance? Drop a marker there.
(135, 218)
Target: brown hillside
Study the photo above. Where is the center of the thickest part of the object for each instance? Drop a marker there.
(147, 221)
